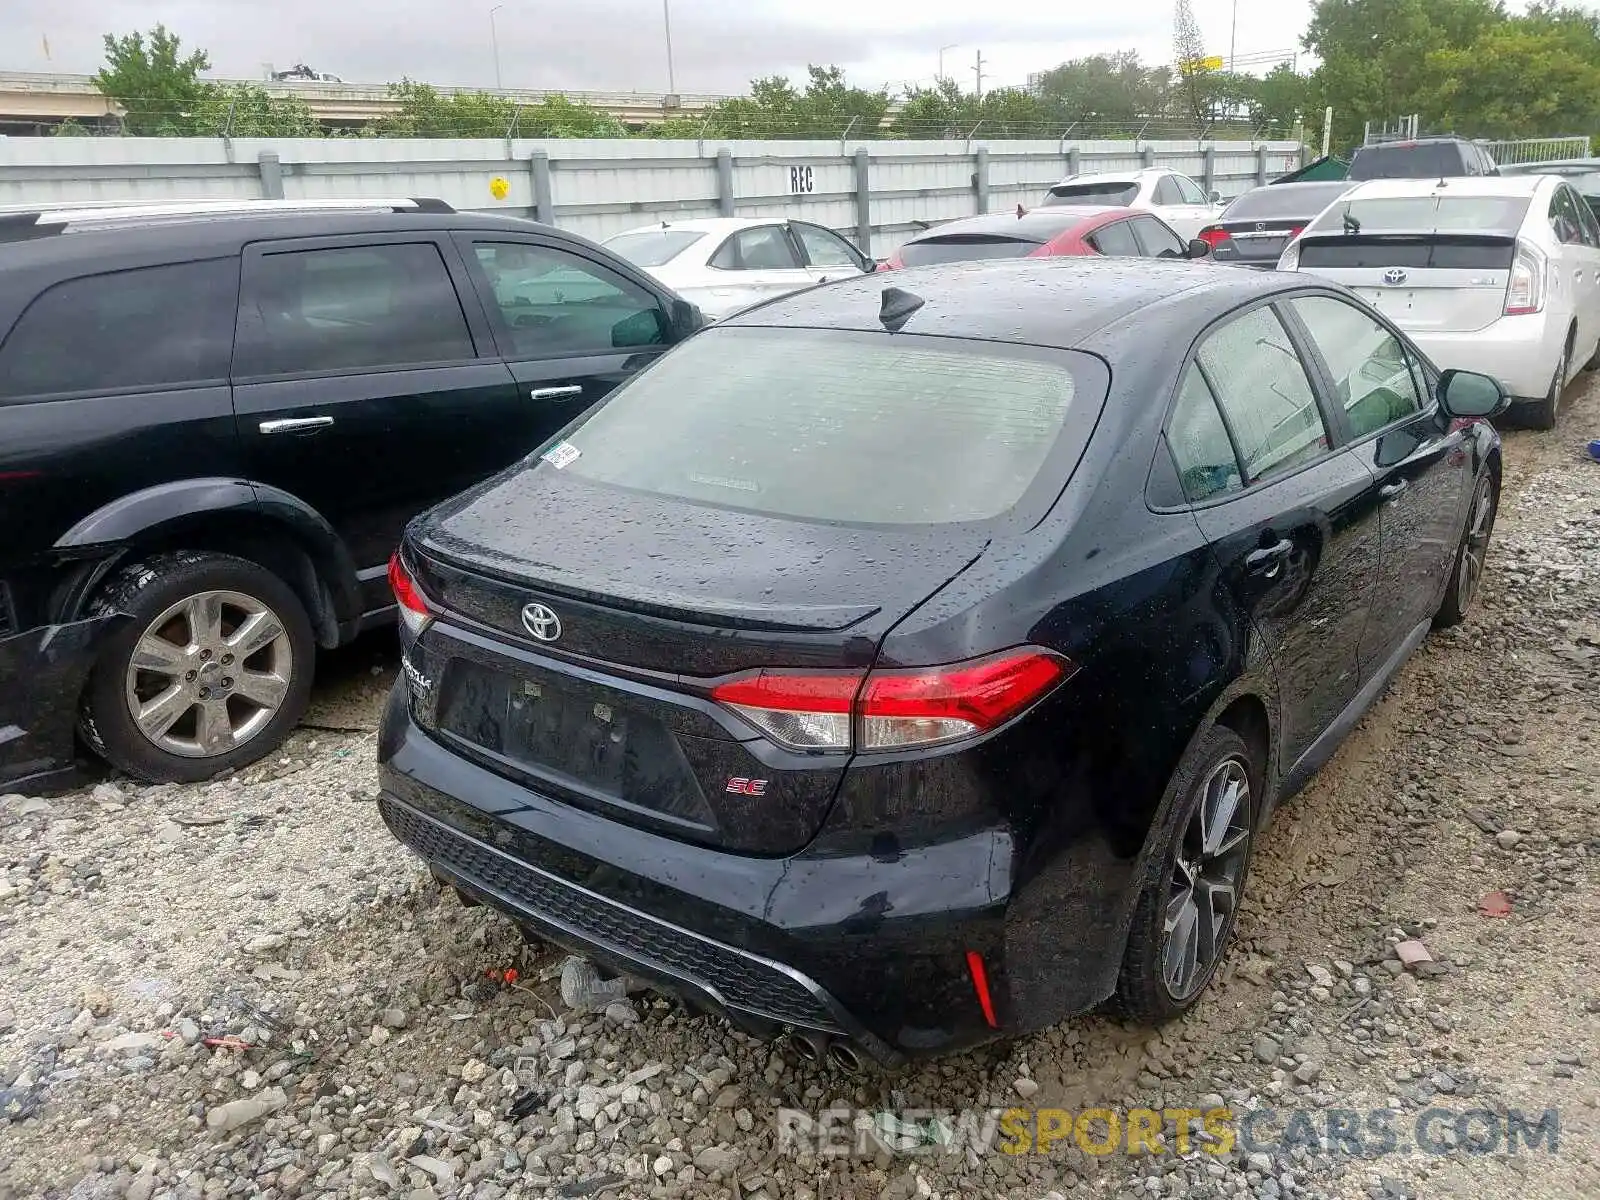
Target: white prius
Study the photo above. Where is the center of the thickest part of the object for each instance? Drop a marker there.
(1499, 275)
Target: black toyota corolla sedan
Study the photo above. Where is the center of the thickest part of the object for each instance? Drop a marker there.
(903, 667)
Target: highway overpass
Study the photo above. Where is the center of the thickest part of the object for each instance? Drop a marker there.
(33, 102)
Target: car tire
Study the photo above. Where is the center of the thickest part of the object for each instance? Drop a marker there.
(189, 613)
(1466, 568)
(1161, 975)
(1542, 413)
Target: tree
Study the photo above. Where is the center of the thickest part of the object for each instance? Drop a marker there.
(1106, 93)
(249, 110)
(1280, 99)
(1194, 91)
(1517, 80)
(942, 111)
(827, 108)
(155, 84)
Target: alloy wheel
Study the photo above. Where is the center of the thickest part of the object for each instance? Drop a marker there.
(1475, 547)
(209, 673)
(1206, 876)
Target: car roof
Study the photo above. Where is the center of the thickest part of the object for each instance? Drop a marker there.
(1469, 185)
(1438, 139)
(1046, 222)
(1114, 176)
(1057, 302)
(703, 225)
(1577, 165)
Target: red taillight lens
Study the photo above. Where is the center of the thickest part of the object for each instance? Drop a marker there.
(897, 709)
(892, 263)
(1214, 236)
(414, 610)
(1296, 231)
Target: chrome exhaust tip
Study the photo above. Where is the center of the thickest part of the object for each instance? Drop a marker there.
(844, 1056)
(810, 1048)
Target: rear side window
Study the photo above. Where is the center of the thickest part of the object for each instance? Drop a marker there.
(1207, 464)
(1157, 239)
(354, 308)
(828, 425)
(762, 248)
(1116, 193)
(1167, 191)
(1262, 386)
(654, 246)
(964, 247)
(1116, 240)
(1189, 190)
(1370, 369)
(150, 327)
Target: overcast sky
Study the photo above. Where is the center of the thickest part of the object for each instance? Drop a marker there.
(619, 45)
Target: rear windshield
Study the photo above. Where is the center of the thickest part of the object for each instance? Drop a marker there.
(1425, 214)
(959, 247)
(1431, 161)
(831, 425)
(652, 247)
(1284, 200)
(1112, 193)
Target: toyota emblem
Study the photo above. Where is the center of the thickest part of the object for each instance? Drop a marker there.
(540, 622)
(1395, 276)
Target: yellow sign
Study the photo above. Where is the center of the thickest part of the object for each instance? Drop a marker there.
(1195, 66)
(499, 187)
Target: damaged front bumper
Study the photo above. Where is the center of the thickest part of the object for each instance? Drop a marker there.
(42, 675)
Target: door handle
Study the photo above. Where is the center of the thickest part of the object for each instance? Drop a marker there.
(1269, 559)
(556, 393)
(295, 424)
(1390, 491)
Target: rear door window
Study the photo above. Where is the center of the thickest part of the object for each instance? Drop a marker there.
(761, 248)
(824, 248)
(1189, 190)
(128, 330)
(1565, 220)
(1167, 191)
(1207, 462)
(1265, 393)
(350, 308)
(1157, 239)
(1116, 240)
(1371, 372)
(840, 426)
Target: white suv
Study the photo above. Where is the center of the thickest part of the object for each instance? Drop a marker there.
(1495, 275)
(1176, 199)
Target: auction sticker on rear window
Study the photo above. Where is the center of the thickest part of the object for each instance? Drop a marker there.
(562, 454)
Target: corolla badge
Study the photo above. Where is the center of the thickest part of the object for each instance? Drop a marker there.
(1395, 276)
(540, 622)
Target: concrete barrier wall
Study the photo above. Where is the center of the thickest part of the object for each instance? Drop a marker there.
(878, 193)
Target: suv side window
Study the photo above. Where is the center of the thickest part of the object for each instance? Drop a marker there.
(1167, 191)
(1158, 240)
(1369, 366)
(1207, 463)
(824, 247)
(1265, 394)
(759, 248)
(145, 328)
(1189, 190)
(555, 304)
(1116, 240)
(349, 309)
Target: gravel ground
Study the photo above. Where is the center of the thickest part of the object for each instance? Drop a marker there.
(246, 987)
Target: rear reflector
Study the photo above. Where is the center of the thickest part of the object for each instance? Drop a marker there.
(896, 709)
(980, 984)
(414, 611)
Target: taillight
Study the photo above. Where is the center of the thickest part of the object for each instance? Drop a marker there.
(414, 611)
(1289, 260)
(892, 263)
(1215, 235)
(1525, 290)
(896, 709)
(1295, 231)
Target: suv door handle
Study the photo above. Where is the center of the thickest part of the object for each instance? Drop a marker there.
(556, 393)
(1391, 490)
(1269, 559)
(295, 425)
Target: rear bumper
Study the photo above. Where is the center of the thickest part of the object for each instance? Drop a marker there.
(42, 673)
(1521, 352)
(844, 942)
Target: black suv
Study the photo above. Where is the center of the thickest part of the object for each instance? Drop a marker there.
(215, 421)
(1424, 158)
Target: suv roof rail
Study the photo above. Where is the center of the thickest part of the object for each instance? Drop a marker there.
(20, 221)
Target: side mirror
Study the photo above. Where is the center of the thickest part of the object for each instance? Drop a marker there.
(1468, 394)
(686, 319)
(1199, 249)
(1214, 196)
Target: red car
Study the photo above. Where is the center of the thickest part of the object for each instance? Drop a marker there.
(1055, 231)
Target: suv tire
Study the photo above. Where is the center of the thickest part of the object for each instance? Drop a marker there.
(227, 646)
(1194, 879)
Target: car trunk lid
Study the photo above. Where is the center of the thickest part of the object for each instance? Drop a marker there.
(1423, 282)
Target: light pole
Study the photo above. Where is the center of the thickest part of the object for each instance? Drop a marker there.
(666, 20)
(494, 40)
(1233, 37)
(942, 49)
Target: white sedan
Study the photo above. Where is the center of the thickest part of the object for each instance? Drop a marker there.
(722, 264)
(1499, 275)
(1176, 199)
